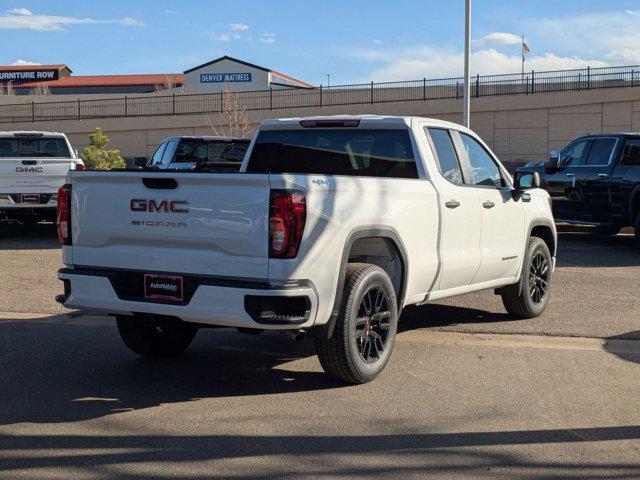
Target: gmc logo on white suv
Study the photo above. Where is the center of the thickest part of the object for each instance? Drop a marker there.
(29, 169)
(159, 206)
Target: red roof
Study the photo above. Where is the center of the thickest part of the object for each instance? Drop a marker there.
(108, 81)
(18, 68)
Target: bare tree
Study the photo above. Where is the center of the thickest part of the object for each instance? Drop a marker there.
(233, 121)
(41, 89)
(7, 89)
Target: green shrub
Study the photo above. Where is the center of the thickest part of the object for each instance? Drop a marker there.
(96, 157)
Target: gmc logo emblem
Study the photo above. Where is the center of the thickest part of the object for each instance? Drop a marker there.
(159, 206)
(29, 169)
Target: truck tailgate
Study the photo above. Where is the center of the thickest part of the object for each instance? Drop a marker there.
(187, 223)
(33, 175)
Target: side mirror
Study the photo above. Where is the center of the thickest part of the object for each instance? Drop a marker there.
(553, 163)
(524, 181)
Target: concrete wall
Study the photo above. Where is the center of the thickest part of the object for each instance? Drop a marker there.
(519, 128)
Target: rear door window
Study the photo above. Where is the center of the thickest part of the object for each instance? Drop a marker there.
(601, 151)
(335, 151)
(446, 159)
(631, 154)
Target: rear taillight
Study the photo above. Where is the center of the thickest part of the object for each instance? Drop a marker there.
(79, 166)
(287, 212)
(63, 218)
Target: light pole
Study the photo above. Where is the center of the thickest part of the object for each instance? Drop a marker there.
(467, 64)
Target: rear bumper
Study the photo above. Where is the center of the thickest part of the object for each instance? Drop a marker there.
(233, 306)
(28, 201)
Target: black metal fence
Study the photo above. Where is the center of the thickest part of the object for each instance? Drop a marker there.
(529, 83)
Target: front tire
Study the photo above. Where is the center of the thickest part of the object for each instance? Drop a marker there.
(365, 330)
(529, 297)
(636, 230)
(151, 340)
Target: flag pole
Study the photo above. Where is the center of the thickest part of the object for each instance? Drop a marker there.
(467, 65)
(522, 49)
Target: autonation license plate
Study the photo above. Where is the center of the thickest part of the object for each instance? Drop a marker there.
(30, 198)
(164, 287)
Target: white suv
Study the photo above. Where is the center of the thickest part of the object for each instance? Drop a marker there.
(33, 165)
(332, 226)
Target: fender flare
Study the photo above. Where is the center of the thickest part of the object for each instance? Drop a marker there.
(326, 330)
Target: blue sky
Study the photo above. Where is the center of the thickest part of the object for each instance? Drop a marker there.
(352, 40)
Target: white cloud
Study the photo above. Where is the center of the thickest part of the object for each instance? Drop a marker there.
(20, 62)
(223, 37)
(171, 12)
(21, 18)
(434, 62)
(377, 42)
(20, 11)
(239, 26)
(498, 38)
(237, 36)
(633, 12)
(268, 38)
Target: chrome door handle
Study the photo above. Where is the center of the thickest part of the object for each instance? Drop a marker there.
(571, 174)
(488, 204)
(603, 175)
(452, 204)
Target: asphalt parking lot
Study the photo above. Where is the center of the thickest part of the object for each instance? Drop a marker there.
(469, 393)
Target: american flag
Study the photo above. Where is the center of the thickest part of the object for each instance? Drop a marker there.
(525, 48)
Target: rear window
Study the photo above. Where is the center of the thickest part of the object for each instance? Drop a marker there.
(340, 151)
(208, 151)
(34, 147)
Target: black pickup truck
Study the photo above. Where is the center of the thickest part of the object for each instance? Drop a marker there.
(595, 180)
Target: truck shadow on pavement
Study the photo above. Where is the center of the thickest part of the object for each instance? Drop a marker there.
(582, 247)
(21, 236)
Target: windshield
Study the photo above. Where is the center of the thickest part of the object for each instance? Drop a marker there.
(34, 147)
(339, 151)
(211, 151)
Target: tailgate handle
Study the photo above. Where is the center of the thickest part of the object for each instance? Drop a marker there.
(160, 183)
(29, 162)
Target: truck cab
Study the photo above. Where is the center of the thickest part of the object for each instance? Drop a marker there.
(595, 180)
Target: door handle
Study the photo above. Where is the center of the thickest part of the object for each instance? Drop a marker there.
(603, 175)
(488, 204)
(452, 204)
(571, 174)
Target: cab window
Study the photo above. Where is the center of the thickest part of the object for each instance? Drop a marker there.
(446, 157)
(484, 169)
(601, 151)
(631, 154)
(156, 159)
(574, 154)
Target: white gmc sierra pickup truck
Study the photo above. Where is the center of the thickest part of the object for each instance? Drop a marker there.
(332, 226)
(33, 165)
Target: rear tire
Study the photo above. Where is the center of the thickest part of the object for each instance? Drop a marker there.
(365, 330)
(636, 230)
(608, 229)
(154, 341)
(529, 297)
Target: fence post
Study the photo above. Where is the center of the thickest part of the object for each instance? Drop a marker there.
(126, 106)
(533, 82)
(477, 85)
(33, 112)
(588, 77)
(221, 101)
(372, 91)
(632, 72)
(270, 98)
(579, 81)
(457, 90)
(424, 88)
(79, 117)
(321, 95)
(173, 103)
